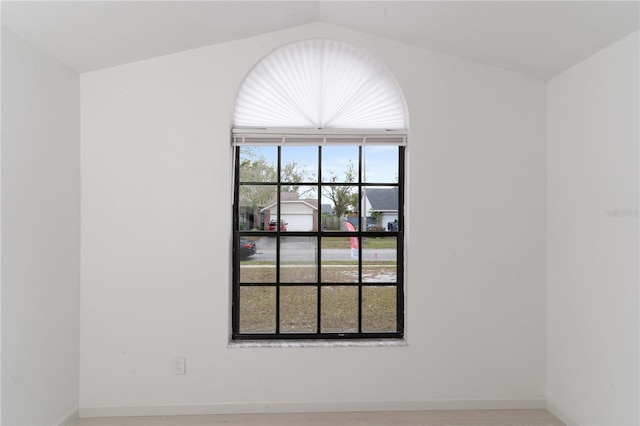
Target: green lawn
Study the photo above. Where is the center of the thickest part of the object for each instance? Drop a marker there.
(369, 243)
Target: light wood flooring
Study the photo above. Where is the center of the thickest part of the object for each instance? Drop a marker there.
(382, 418)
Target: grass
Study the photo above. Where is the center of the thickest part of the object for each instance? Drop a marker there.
(299, 309)
(252, 262)
(344, 242)
(369, 243)
(308, 274)
(299, 304)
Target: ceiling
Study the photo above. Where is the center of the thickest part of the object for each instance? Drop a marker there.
(536, 38)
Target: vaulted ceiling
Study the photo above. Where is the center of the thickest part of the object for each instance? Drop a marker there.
(536, 38)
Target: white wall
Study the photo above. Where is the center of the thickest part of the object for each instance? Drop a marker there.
(156, 238)
(40, 236)
(592, 302)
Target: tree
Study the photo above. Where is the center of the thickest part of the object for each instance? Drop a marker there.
(295, 174)
(376, 216)
(255, 168)
(344, 197)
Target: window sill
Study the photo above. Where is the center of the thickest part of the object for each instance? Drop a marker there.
(313, 343)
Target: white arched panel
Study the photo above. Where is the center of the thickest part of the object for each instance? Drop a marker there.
(319, 84)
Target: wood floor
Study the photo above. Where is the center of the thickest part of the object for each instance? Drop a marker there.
(383, 418)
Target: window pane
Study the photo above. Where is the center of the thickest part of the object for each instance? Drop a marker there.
(258, 163)
(379, 309)
(261, 266)
(255, 203)
(257, 309)
(380, 164)
(339, 309)
(380, 205)
(379, 260)
(340, 260)
(299, 208)
(298, 309)
(298, 260)
(299, 164)
(330, 222)
(340, 164)
(246, 247)
(342, 200)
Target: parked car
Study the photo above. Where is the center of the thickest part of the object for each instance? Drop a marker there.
(273, 225)
(246, 248)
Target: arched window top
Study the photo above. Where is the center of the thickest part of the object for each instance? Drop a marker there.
(319, 84)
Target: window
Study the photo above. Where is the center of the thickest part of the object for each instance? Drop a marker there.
(318, 233)
(329, 263)
(319, 84)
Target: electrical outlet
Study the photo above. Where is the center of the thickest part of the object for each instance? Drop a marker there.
(179, 365)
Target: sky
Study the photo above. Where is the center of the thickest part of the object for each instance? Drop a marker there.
(380, 162)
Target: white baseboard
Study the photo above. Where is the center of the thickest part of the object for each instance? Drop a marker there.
(311, 407)
(554, 409)
(69, 418)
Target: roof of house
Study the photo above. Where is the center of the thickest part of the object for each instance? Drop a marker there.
(308, 203)
(326, 208)
(291, 198)
(383, 199)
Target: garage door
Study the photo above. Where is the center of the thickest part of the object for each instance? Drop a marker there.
(298, 222)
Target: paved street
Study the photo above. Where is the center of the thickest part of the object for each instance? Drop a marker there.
(303, 248)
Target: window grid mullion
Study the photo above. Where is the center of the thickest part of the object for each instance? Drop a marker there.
(235, 292)
(319, 284)
(278, 242)
(400, 244)
(361, 216)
